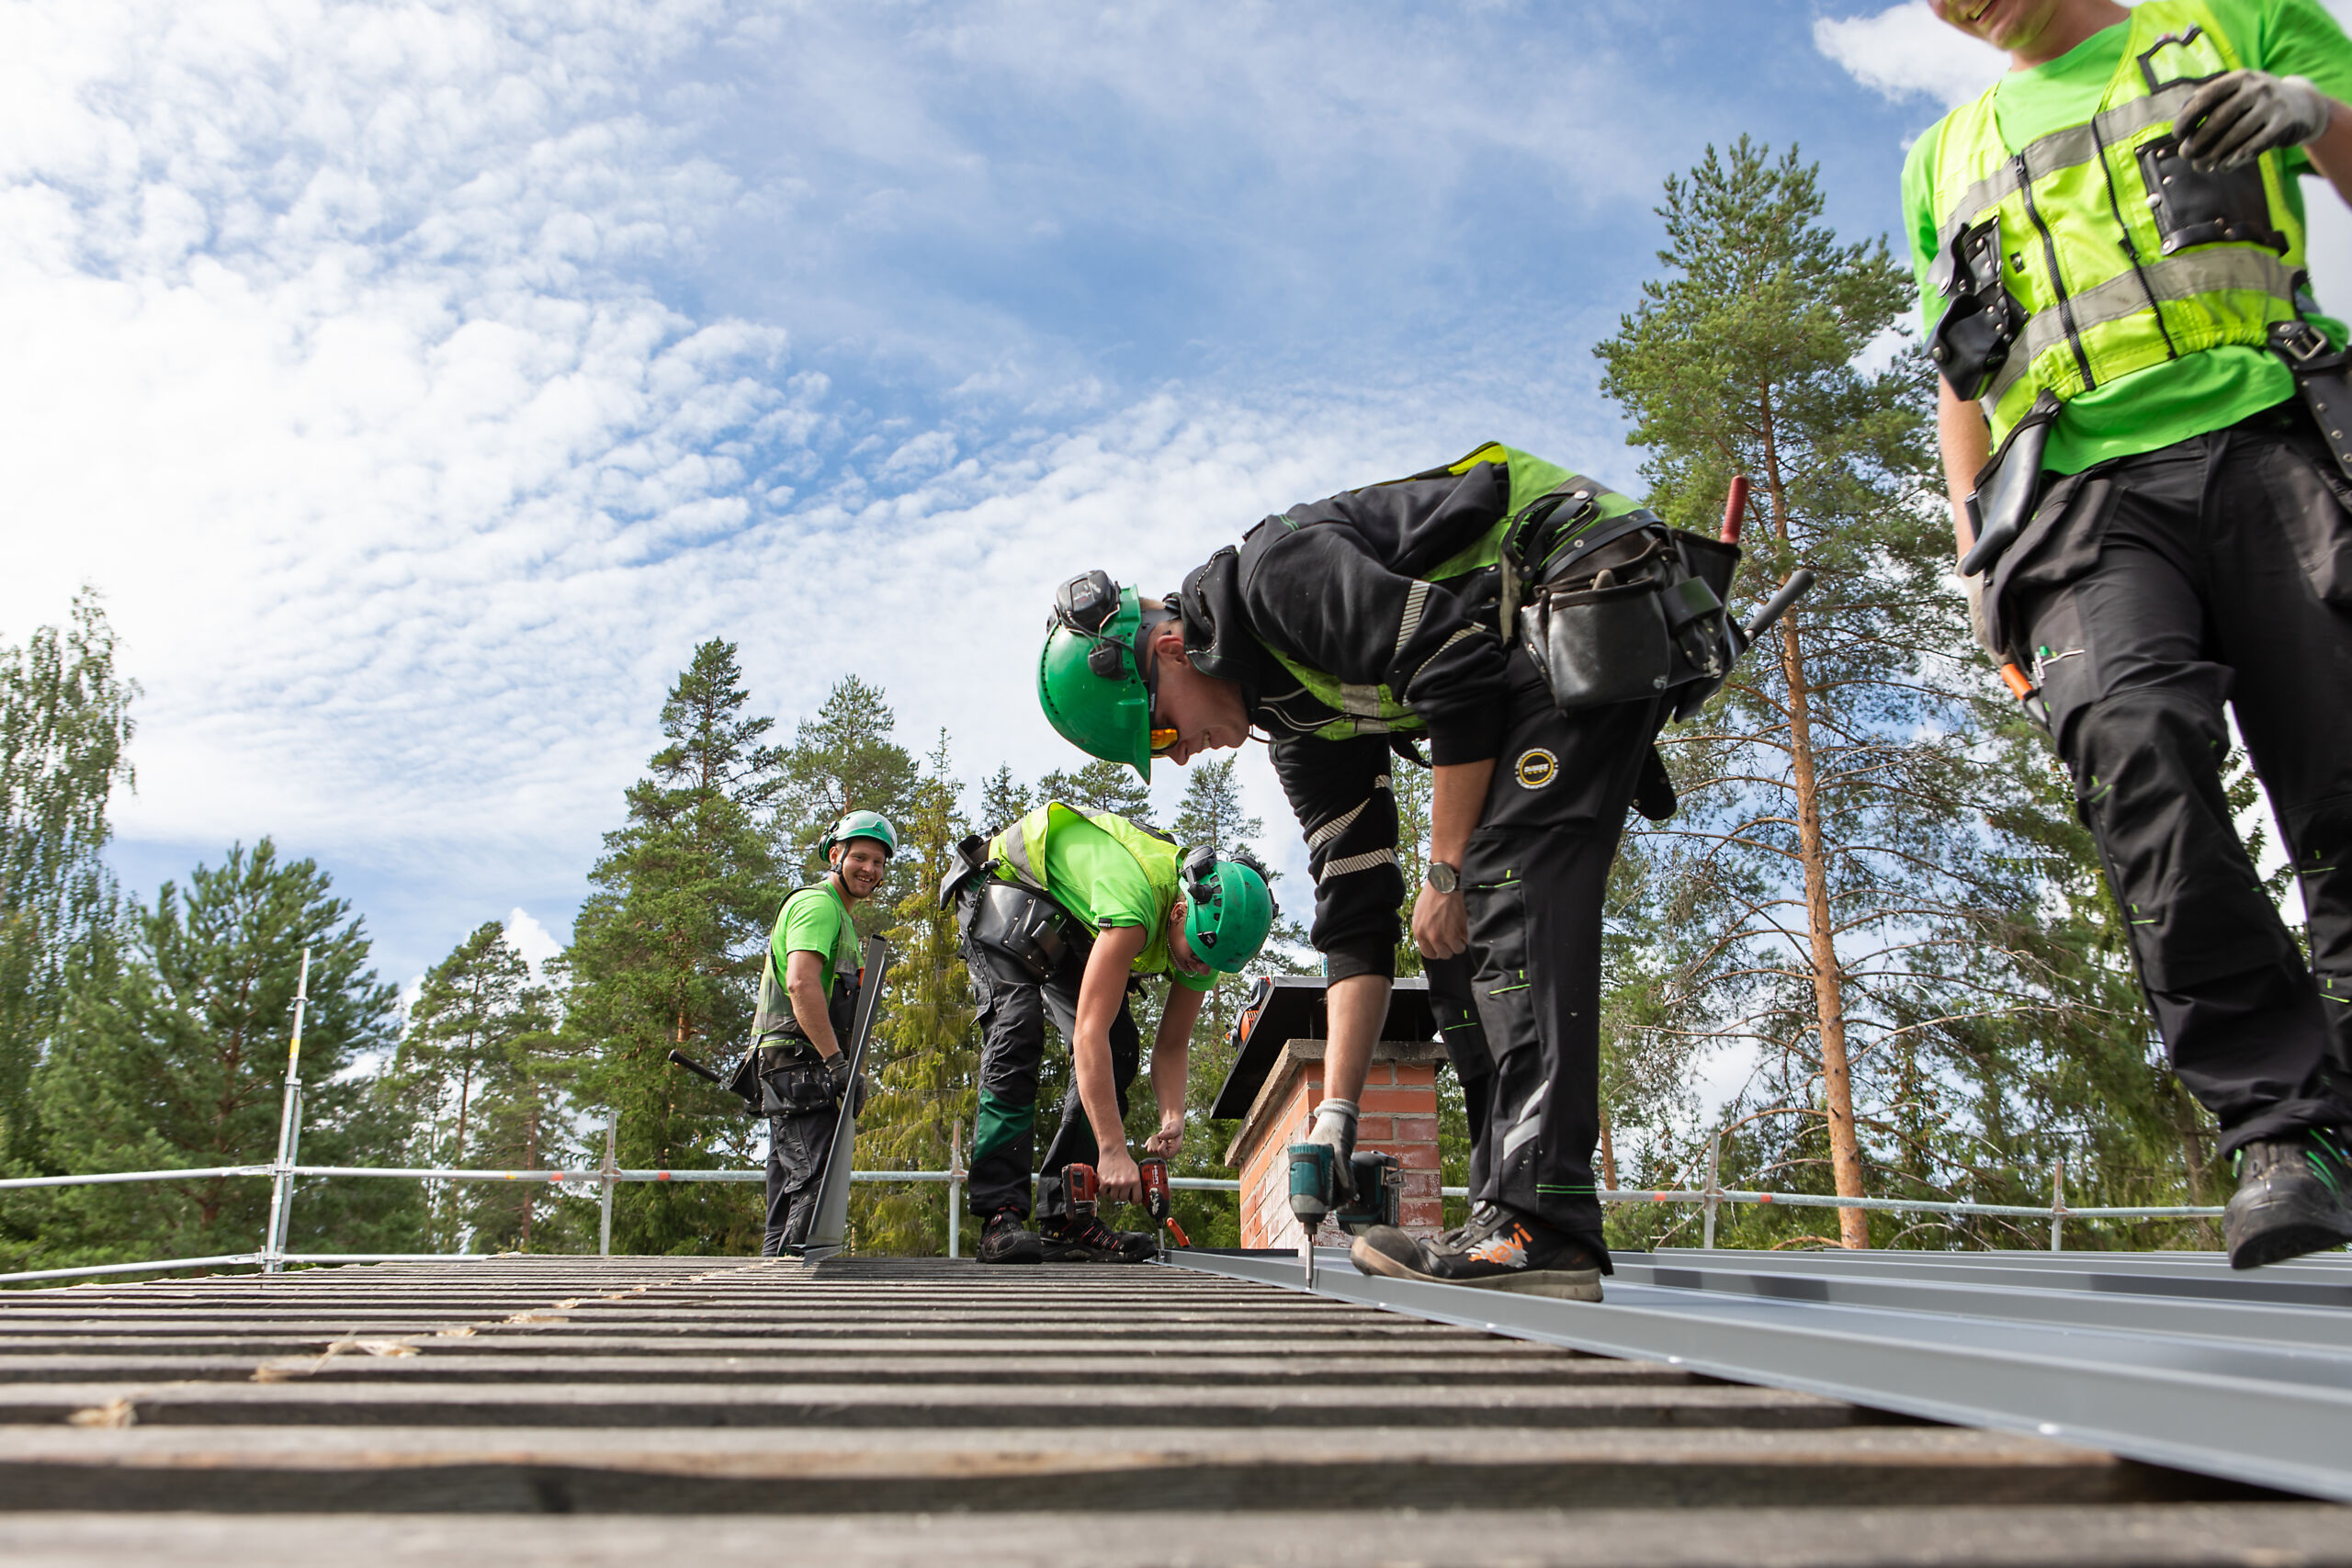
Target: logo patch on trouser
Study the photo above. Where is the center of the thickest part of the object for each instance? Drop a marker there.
(1536, 768)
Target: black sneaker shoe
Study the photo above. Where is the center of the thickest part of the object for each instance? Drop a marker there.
(1385, 1249)
(1497, 1252)
(2294, 1196)
(1095, 1242)
(1005, 1240)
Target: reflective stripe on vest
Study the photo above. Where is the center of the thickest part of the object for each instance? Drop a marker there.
(2101, 300)
(1375, 709)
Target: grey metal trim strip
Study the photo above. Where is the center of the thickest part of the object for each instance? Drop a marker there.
(2272, 1417)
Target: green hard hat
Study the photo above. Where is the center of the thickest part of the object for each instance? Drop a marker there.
(860, 825)
(1090, 681)
(1229, 909)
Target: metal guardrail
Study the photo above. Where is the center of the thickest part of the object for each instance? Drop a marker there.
(605, 1177)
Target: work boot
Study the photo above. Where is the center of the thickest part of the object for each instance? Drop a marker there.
(2294, 1196)
(1094, 1242)
(1500, 1251)
(1005, 1240)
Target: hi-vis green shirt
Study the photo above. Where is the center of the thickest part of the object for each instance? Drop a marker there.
(1104, 871)
(813, 919)
(2199, 391)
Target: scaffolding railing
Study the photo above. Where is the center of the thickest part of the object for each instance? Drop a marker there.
(273, 1256)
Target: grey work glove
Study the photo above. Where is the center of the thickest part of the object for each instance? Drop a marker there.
(837, 1070)
(2237, 117)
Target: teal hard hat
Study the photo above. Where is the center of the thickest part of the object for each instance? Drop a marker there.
(860, 825)
(1229, 908)
(1093, 679)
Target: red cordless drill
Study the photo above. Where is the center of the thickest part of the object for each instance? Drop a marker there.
(1156, 1198)
(1080, 1183)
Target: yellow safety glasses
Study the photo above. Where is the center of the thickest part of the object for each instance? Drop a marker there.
(1163, 741)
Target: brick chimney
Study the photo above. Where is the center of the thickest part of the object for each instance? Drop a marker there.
(1399, 1117)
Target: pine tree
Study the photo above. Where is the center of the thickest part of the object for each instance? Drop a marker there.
(1004, 800)
(1100, 786)
(65, 727)
(181, 1062)
(666, 955)
(1828, 873)
(521, 1123)
(463, 1048)
(925, 1056)
(842, 760)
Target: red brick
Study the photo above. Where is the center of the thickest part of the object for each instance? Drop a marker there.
(1415, 1129)
(1421, 1184)
(1422, 1217)
(1422, 1073)
(1371, 1130)
(1418, 1156)
(1411, 1101)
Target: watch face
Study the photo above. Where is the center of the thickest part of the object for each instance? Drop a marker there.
(1440, 876)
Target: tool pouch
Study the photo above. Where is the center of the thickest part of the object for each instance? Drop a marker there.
(2324, 375)
(968, 863)
(1023, 926)
(796, 1087)
(1973, 339)
(2194, 206)
(2002, 502)
(1637, 611)
(744, 1082)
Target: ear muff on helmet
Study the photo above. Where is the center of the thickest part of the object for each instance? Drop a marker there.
(1231, 907)
(1095, 680)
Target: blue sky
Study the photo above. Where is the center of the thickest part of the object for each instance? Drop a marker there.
(420, 381)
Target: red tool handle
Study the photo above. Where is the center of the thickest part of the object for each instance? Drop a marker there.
(1734, 509)
(1079, 1181)
(2020, 687)
(1155, 1187)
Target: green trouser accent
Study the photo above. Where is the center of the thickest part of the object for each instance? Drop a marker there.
(1000, 1121)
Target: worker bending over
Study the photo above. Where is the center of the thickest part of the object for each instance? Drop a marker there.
(1058, 913)
(1343, 629)
(2110, 250)
(808, 996)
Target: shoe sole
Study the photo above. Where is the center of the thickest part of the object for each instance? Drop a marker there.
(1560, 1284)
(2291, 1239)
(1023, 1262)
(2286, 1225)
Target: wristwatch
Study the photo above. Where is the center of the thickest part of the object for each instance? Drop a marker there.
(1443, 878)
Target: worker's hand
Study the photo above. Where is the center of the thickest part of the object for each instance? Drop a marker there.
(1441, 923)
(2238, 115)
(1170, 1139)
(836, 1072)
(1120, 1181)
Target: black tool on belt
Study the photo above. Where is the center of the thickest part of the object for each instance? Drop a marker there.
(2324, 375)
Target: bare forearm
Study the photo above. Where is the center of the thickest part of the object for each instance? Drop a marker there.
(1965, 443)
(804, 986)
(1456, 800)
(2331, 150)
(1172, 1049)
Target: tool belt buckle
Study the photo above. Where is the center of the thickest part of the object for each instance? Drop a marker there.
(2299, 341)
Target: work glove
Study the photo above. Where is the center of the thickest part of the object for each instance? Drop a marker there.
(2237, 117)
(837, 1070)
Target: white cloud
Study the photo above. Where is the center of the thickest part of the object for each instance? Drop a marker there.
(1904, 51)
(527, 936)
(359, 354)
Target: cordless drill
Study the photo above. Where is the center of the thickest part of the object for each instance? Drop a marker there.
(1158, 1200)
(1079, 1183)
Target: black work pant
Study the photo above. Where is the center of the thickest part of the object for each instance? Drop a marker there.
(1013, 1007)
(1520, 1007)
(797, 1146)
(2216, 569)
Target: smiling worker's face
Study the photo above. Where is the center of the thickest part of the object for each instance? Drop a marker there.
(2004, 24)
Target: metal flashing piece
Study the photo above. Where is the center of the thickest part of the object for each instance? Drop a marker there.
(2085, 1354)
(830, 1230)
